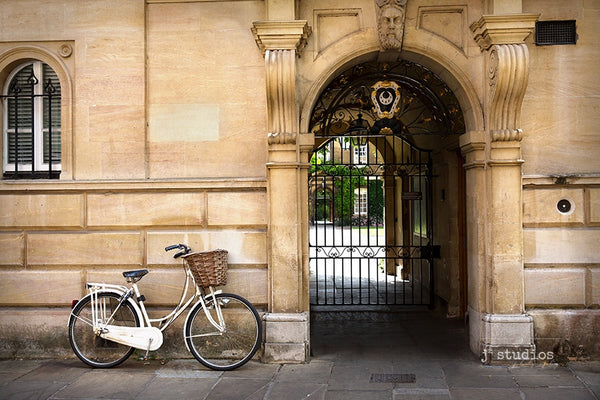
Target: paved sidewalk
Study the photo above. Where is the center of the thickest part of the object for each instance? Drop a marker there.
(355, 356)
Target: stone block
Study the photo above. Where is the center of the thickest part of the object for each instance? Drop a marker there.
(507, 329)
(243, 246)
(43, 287)
(333, 25)
(41, 210)
(567, 332)
(594, 287)
(145, 209)
(540, 207)
(555, 286)
(12, 246)
(289, 353)
(564, 246)
(183, 122)
(238, 209)
(286, 332)
(286, 337)
(98, 248)
(44, 336)
(594, 205)
(506, 335)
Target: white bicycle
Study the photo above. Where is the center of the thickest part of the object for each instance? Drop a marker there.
(222, 330)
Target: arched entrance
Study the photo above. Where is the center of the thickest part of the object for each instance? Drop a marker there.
(384, 134)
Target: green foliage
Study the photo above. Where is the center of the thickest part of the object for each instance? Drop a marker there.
(346, 180)
(376, 199)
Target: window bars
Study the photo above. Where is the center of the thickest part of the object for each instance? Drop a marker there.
(32, 124)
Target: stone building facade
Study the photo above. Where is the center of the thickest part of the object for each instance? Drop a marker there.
(191, 121)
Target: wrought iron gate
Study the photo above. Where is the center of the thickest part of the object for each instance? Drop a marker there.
(371, 224)
(370, 184)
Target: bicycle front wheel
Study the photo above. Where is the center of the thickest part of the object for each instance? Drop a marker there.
(236, 345)
(91, 348)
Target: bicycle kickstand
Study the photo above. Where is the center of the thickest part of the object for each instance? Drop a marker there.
(145, 359)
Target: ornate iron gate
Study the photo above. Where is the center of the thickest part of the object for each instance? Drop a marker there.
(370, 185)
(371, 230)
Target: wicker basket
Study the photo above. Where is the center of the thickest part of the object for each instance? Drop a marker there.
(208, 267)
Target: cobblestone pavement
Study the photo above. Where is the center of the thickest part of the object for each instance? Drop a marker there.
(413, 355)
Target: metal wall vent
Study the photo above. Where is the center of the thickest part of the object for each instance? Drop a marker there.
(549, 33)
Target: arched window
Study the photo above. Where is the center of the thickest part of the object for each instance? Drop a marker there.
(31, 122)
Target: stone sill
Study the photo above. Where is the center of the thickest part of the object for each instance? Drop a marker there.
(566, 179)
(254, 183)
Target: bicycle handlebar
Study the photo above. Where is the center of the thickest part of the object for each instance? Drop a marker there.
(185, 249)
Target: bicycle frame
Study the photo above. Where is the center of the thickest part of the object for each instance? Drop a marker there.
(143, 336)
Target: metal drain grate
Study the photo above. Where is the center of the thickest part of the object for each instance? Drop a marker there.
(555, 32)
(393, 378)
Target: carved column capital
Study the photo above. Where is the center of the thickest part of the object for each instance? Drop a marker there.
(281, 35)
(503, 29)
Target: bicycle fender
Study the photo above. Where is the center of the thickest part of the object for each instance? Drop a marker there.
(118, 292)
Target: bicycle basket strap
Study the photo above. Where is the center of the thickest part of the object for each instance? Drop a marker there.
(208, 267)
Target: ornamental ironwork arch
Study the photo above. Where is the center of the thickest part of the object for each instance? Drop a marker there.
(424, 104)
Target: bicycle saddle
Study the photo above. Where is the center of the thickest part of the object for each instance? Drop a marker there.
(137, 274)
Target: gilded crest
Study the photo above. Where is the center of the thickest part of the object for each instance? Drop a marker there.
(385, 96)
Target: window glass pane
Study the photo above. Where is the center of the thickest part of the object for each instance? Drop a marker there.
(20, 115)
(23, 149)
(51, 97)
(55, 146)
(51, 106)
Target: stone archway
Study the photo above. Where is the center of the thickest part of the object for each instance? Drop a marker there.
(398, 113)
(493, 177)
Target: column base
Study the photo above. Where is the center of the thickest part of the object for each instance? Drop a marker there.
(507, 339)
(286, 338)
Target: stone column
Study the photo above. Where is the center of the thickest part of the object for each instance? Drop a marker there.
(287, 320)
(505, 329)
(473, 146)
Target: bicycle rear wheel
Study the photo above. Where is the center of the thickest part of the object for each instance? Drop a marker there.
(233, 347)
(91, 348)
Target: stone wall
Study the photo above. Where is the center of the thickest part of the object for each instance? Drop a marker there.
(164, 119)
(164, 141)
(560, 149)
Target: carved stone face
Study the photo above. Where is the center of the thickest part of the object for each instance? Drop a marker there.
(391, 27)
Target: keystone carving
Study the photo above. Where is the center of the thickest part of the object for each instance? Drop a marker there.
(391, 15)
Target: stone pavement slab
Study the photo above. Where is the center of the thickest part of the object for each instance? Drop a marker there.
(406, 356)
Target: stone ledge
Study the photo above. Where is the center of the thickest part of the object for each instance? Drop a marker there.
(503, 29)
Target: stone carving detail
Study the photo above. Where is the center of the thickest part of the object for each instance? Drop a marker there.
(391, 15)
(281, 138)
(508, 70)
(281, 105)
(65, 50)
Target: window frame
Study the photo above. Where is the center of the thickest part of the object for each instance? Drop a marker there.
(59, 56)
(38, 166)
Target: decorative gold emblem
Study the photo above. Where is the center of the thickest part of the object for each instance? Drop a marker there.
(385, 96)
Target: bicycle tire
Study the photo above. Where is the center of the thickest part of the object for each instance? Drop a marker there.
(234, 347)
(89, 347)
